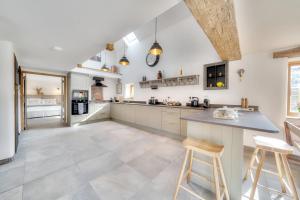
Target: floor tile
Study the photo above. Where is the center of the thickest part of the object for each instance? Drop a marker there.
(40, 168)
(149, 164)
(120, 184)
(11, 178)
(55, 185)
(99, 165)
(13, 194)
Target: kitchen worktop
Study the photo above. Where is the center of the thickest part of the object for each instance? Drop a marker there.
(160, 105)
(246, 120)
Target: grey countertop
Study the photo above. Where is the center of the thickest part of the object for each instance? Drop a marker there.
(161, 105)
(247, 120)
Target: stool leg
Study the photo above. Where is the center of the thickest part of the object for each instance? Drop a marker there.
(190, 166)
(259, 168)
(216, 176)
(289, 177)
(279, 169)
(251, 164)
(223, 178)
(181, 174)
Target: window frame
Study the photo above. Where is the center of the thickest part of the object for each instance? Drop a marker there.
(289, 113)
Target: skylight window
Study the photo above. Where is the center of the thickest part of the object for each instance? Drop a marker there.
(130, 39)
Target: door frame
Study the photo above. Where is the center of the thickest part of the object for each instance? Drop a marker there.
(65, 96)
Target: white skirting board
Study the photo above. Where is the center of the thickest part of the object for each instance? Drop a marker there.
(232, 159)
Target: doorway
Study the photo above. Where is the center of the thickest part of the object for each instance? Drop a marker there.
(44, 100)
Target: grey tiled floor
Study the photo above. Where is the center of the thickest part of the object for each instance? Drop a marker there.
(100, 161)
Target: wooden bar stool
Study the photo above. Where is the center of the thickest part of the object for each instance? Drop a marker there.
(281, 150)
(212, 151)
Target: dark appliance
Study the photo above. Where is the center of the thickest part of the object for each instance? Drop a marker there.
(206, 103)
(98, 81)
(80, 102)
(153, 101)
(195, 102)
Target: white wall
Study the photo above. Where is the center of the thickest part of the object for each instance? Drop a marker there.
(185, 44)
(7, 120)
(84, 82)
(50, 85)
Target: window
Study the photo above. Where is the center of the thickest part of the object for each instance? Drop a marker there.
(130, 39)
(129, 91)
(294, 89)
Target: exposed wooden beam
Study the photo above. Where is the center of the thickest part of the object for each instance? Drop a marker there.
(217, 19)
(289, 53)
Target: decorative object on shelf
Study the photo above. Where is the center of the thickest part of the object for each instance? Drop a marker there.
(144, 78)
(114, 69)
(110, 47)
(39, 91)
(104, 67)
(159, 75)
(156, 48)
(241, 73)
(220, 84)
(124, 61)
(173, 81)
(79, 65)
(181, 72)
(119, 87)
(215, 76)
(152, 60)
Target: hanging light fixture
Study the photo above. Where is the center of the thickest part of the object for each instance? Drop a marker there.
(124, 61)
(156, 48)
(104, 67)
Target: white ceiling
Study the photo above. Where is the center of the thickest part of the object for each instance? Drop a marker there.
(266, 25)
(81, 28)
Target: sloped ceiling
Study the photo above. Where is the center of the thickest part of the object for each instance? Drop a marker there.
(267, 25)
(81, 28)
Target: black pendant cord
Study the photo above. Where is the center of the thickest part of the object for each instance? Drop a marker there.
(155, 28)
(124, 48)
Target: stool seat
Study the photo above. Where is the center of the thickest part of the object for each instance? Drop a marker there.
(203, 146)
(211, 151)
(273, 145)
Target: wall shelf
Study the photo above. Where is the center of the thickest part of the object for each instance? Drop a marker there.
(171, 82)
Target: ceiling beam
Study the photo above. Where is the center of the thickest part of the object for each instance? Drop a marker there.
(289, 53)
(217, 19)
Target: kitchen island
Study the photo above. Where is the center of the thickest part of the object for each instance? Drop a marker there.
(229, 133)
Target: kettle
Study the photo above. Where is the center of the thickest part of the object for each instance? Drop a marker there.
(206, 103)
(195, 102)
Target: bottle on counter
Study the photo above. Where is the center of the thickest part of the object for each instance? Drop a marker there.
(243, 102)
(246, 103)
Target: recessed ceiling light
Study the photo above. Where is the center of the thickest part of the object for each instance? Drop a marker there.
(57, 48)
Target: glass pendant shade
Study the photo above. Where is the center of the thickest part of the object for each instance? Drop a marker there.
(156, 49)
(124, 61)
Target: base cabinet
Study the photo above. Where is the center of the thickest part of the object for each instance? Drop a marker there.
(160, 118)
(171, 120)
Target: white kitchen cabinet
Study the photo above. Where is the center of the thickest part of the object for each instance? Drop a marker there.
(183, 123)
(128, 113)
(98, 111)
(171, 120)
(149, 116)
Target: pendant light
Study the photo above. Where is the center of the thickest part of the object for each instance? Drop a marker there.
(104, 67)
(156, 48)
(124, 61)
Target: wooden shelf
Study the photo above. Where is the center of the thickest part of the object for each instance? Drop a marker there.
(171, 82)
